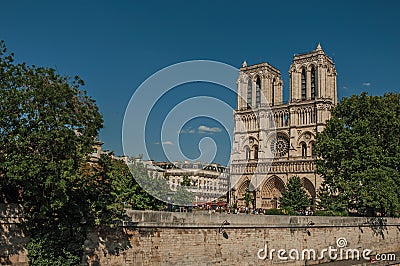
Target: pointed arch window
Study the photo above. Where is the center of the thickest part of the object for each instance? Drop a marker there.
(313, 83)
(273, 92)
(256, 152)
(286, 119)
(303, 85)
(247, 153)
(303, 150)
(258, 92)
(249, 92)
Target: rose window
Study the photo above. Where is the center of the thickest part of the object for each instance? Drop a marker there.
(279, 146)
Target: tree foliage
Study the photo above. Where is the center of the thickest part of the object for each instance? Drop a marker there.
(186, 182)
(47, 129)
(248, 195)
(294, 198)
(132, 193)
(329, 201)
(150, 192)
(183, 196)
(359, 156)
(157, 189)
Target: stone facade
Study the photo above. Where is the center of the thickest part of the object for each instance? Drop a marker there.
(209, 181)
(273, 140)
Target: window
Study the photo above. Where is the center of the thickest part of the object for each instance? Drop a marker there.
(249, 92)
(303, 85)
(304, 150)
(279, 146)
(247, 153)
(258, 92)
(286, 119)
(273, 92)
(256, 152)
(313, 83)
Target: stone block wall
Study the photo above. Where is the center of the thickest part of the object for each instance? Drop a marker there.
(166, 238)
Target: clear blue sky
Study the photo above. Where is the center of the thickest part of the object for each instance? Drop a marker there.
(115, 45)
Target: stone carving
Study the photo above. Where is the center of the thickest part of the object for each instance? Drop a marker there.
(307, 136)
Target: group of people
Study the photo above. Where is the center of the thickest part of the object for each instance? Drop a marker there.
(306, 212)
(247, 210)
(259, 211)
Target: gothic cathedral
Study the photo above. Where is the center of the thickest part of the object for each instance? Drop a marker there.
(273, 140)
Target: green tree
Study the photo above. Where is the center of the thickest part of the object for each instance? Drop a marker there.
(47, 129)
(248, 196)
(330, 202)
(182, 196)
(110, 187)
(186, 182)
(294, 198)
(149, 192)
(99, 196)
(359, 155)
(131, 192)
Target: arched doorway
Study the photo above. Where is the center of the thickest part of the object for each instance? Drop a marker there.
(309, 188)
(271, 192)
(241, 191)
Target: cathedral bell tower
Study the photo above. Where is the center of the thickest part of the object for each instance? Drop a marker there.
(313, 76)
(259, 85)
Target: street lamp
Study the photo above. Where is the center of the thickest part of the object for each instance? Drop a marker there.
(221, 228)
(169, 204)
(309, 224)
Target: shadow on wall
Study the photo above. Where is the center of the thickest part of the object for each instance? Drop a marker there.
(105, 242)
(12, 239)
(377, 225)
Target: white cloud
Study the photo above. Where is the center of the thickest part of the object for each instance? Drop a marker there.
(206, 129)
(167, 143)
(188, 131)
(367, 84)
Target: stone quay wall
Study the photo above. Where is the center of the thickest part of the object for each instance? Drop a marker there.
(172, 238)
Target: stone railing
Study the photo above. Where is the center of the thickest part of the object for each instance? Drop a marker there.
(303, 166)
